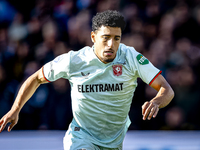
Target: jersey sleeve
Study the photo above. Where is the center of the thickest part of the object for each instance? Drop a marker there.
(57, 68)
(145, 69)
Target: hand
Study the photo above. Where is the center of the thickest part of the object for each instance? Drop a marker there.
(10, 117)
(149, 109)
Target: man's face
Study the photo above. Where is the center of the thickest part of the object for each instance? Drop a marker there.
(106, 42)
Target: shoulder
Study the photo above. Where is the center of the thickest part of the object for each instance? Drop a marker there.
(132, 56)
(71, 55)
(79, 57)
(82, 52)
(128, 50)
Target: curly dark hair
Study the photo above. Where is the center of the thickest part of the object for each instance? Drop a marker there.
(111, 18)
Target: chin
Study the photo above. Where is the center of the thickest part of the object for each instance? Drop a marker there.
(108, 60)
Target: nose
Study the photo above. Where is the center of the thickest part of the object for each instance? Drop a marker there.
(110, 42)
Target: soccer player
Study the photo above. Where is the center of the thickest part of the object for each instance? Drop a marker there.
(103, 79)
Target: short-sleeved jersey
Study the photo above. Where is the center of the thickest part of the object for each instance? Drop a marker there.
(102, 93)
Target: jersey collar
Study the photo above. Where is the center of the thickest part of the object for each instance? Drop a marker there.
(119, 59)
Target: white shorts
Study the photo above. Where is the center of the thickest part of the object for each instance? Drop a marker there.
(73, 140)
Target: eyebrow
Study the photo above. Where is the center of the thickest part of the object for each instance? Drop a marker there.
(110, 35)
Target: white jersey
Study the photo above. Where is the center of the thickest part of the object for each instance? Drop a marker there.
(102, 93)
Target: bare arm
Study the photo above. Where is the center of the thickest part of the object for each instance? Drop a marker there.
(26, 91)
(163, 98)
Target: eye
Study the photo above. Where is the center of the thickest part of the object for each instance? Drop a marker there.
(105, 37)
(117, 38)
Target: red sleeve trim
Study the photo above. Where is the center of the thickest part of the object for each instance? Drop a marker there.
(43, 75)
(155, 77)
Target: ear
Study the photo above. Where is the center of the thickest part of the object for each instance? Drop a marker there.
(93, 36)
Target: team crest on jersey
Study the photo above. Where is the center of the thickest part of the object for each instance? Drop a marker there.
(117, 70)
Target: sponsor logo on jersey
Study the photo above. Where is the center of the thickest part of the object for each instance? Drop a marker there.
(142, 60)
(77, 128)
(100, 88)
(85, 74)
(117, 70)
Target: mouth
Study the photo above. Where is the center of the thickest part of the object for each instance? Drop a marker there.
(108, 52)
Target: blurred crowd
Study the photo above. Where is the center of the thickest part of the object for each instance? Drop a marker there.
(34, 32)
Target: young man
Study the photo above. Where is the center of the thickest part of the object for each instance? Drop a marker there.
(103, 79)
